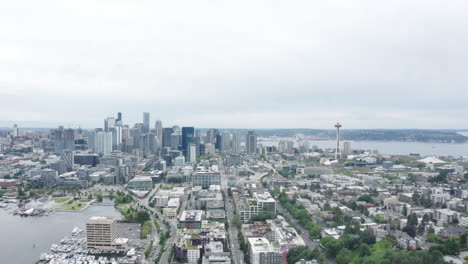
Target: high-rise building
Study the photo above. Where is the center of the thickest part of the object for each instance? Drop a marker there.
(15, 130)
(119, 121)
(251, 142)
(116, 137)
(236, 143)
(347, 148)
(91, 140)
(104, 143)
(226, 142)
(146, 122)
(109, 123)
(69, 139)
(192, 153)
(166, 137)
(67, 156)
(282, 146)
(187, 138)
(57, 135)
(158, 130)
(175, 140)
(101, 232)
(218, 142)
(210, 149)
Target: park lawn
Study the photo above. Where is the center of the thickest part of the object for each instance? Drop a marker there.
(60, 199)
(74, 206)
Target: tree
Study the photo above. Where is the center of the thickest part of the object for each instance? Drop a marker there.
(425, 219)
(463, 240)
(99, 197)
(441, 178)
(142, 216)
(416, 198)
(430, 230)
(368, 236)
(412, 219)
(350, 242)
(366, 198)
(344, 256)
(354, 227)
(237, 221)
(405, 210)
(410, 230)
(332, 245)
(364, 250)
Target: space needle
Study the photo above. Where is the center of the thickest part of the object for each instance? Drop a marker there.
(338, 151)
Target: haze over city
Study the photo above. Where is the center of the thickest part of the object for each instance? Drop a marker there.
(235, 64)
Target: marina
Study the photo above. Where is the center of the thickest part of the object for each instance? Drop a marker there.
(43, 231)
(73, 250)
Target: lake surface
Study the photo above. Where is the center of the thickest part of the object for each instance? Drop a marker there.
(18, 234)
(387, 147)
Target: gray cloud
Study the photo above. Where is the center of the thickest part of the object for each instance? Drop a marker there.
(369, 64)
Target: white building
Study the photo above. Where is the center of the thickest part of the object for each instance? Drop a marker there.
(103, 143)
(263, 252)
(255, 205)
(192, 153)
(179, 161)
(210, 149)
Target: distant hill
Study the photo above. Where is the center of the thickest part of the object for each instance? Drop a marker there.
(413, 135)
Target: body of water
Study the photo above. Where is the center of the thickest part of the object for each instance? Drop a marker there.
(388, 147)
(23, 239)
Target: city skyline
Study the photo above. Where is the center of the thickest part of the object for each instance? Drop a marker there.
(242, 64)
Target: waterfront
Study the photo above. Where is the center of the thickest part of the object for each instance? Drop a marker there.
(23, 239)
(391, 147)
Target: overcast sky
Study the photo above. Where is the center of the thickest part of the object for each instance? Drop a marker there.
(235, 64)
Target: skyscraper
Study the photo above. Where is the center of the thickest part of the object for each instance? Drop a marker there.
(166, 137)
(57, 135)
(69, 139)
(251, 142)
(15, 130)
(226, 142)
(146, 122)
(347, 148)
(116, 137)
(236, 143)
(175, 140)
(104, 143)
(158, 132)
(187, 137)
(119, 121)
(91, 140)
(192, 153)
(109, 123)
